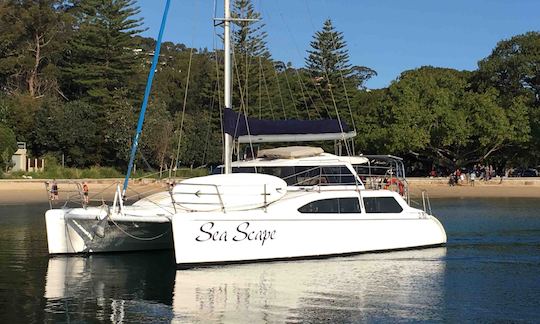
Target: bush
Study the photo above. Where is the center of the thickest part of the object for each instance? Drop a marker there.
(8, 146)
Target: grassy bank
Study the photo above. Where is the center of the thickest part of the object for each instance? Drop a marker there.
(97, 173)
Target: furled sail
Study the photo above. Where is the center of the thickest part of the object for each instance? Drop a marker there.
(252, 130)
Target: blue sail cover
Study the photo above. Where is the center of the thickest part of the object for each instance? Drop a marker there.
(235, 125)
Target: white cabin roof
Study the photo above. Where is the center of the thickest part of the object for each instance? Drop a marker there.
(320, 159)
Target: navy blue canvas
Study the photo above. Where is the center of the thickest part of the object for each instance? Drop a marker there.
(234, 124)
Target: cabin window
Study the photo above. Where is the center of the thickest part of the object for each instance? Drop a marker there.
(382, 205)
(338, 175)
(284, 173)
(301, 175)
(305, 176)
(333, 206)
(244, 170)
(219, 170)
(308, 176)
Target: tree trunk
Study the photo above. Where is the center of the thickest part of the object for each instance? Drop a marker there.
(33, 78)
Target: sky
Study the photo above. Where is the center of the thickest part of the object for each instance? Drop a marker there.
(387, 36)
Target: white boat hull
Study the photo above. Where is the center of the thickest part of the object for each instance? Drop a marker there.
(231, 237)
(75, 231)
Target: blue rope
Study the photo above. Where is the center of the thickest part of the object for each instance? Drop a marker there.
(146, 95)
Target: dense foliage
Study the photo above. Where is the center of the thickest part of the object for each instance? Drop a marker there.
(72, 76)
(8, 145)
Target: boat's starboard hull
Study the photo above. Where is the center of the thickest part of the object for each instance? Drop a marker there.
(229, 240)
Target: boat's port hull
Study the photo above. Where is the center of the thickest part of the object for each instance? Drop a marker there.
(212, 240)
(69, 232)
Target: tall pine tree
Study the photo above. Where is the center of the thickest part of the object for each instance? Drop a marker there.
(328, 59)
(333, 78)
(100, 62)
(101, 56)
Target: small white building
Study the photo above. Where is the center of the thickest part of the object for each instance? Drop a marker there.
(21, 162)
(19, 157)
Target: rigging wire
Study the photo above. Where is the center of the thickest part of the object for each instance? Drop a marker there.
(293, 99)
(302, 85)
(274, 64)
(209, 125)
(183, 111)
(261, 69)
(242, 105)
(332, 94)
(279, 91)
(344, 85)
(194, 29)
(315, 84)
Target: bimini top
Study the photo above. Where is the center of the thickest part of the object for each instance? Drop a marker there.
(251, 130)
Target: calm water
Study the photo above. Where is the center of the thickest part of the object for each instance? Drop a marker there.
(489, 271)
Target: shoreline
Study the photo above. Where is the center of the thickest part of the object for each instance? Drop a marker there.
(13, 192)
(16, 192)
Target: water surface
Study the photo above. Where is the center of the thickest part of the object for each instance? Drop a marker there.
(489, 271)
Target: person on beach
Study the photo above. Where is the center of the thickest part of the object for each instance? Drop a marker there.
(473, 177)
(85, 192)
(54, 190)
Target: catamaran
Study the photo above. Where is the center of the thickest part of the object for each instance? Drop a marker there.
(246, 217)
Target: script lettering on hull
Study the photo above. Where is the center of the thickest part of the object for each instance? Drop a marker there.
(210, 232)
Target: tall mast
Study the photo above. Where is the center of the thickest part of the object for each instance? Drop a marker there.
(228, 140)
(146, 96)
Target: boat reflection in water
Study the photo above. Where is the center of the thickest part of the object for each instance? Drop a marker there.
(129, 287)
(406, 285)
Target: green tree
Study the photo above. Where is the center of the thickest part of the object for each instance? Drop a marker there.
(8, 146)
(333, 78)
(18, 112)
(68, 129)
(249, 38)
(101, 62)
(513, 69)
(34, 34)
(118, 130)
(370, 113)
(101, 57)
(157, 137)
(328, 59)
(433, 111)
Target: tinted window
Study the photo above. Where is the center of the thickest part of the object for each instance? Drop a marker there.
(280, 172)
(306, 176)
(335, 205)
(338, 175)
(382, 205)
(244, 170)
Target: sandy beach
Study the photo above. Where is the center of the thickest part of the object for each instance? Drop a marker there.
(34, 191)
(495, 190)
